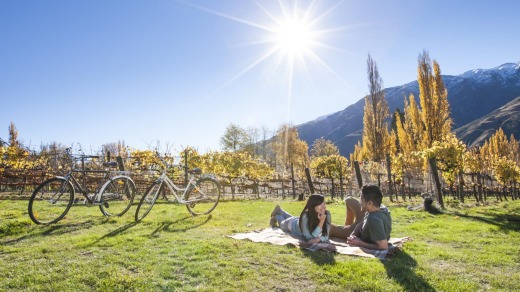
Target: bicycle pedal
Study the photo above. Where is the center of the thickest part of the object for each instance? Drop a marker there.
(80, 201)
(97, 203)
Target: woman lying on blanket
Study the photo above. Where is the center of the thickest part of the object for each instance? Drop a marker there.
(313, 223)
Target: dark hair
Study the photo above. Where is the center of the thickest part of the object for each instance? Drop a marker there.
(372, 193)
(312, 216)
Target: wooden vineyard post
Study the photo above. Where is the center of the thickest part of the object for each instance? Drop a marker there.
(358, 174)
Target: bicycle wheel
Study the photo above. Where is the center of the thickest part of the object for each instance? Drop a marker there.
(205, 196)
(51, 201)
(148, 201)
(117, 196)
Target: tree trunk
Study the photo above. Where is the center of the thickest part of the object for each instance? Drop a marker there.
(515, 191)
(232, 189)
(396, 191)
(435, 173)
(292, 181)
(461, 186)
(479, 188)
(341, 181)
(474, 187)
(332, 189)
(409, 188)
(389, 174)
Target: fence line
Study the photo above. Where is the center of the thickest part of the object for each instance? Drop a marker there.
(20, 184)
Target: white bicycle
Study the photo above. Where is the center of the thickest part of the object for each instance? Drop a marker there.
(201, 194)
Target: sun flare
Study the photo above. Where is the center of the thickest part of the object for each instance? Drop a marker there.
(294, 37)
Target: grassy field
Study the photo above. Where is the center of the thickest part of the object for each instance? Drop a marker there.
(465, 249)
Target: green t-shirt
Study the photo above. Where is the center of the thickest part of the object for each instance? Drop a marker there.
(376, 226)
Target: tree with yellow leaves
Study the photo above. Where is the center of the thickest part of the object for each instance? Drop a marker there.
(449, 154)
(290, 150)
(330, 166)
(375, 126)
(433, 96)
(501, 158)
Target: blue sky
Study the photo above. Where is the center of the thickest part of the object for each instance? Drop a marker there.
(179, 72)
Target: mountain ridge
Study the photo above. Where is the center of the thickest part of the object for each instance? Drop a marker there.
(472, 95)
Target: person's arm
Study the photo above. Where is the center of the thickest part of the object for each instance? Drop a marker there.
(328, 219)
(376, 229)
(314, 236)
(378, 244)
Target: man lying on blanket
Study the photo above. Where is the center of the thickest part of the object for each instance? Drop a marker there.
(368, 223)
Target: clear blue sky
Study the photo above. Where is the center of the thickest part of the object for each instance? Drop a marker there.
(179, 72)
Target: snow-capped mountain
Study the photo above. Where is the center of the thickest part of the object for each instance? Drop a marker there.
(472, 95)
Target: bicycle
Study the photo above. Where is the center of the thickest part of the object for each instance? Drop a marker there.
(52, 199)
(200, 196)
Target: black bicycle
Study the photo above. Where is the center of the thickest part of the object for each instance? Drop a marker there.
(52, 199)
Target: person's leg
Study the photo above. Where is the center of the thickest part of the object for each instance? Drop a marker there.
(353, 218)
(342, 232)
(284, 224)
(279, 215)
(354, 213)
(357, 229)
(282, 216)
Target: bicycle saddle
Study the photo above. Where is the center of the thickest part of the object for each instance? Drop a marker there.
(111, 164)
(196, 171)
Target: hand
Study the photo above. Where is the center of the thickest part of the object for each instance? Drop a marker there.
(314, 240)
(354, 240)
(322, 217)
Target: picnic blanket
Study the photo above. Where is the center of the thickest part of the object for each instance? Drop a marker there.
(275, 235)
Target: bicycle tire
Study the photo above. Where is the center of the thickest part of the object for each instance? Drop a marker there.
(51, 200)
(208, 191)
(117, 196)
(148, 201)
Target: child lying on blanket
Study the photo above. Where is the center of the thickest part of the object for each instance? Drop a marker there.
(313, 223)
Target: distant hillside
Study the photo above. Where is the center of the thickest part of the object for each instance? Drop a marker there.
(506, 117)
(471, 95)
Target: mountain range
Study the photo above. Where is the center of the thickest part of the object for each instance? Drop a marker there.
(481, 101)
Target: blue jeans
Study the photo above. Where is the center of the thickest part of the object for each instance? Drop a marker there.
(285, 220)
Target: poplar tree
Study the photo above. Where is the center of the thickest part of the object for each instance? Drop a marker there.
(435, 109)
(375, 125)
(13, 136)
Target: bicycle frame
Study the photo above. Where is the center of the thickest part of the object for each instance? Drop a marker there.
(200, 195)
(114, 189)
(164, 179)
(107, 178)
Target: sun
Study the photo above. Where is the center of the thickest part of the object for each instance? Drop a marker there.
(294, 37)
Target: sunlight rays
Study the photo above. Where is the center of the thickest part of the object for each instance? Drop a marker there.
(293, 36)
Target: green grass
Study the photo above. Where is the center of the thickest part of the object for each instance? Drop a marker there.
(467, 249)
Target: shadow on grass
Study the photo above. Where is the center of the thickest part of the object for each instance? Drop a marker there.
(400, 268)
(320, 257)
(52, 230)
(115, 232)
(504, 222)
(66, 228)
(170, 226)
